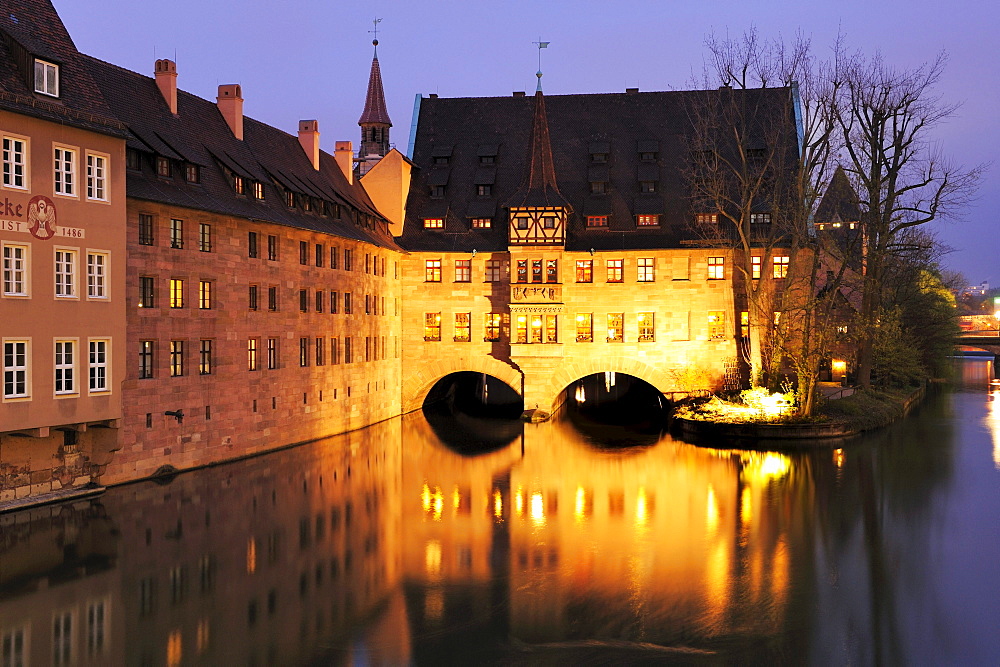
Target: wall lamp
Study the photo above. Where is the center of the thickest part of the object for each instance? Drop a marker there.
(591, 252)
(176, 414)
(474, 251)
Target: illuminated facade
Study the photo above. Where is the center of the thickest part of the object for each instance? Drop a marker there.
(62, 304)
(553, 238)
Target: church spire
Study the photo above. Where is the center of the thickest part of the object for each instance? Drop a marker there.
(374, 119)
(539, 187)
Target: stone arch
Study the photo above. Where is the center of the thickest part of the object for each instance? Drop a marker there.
(418, 381)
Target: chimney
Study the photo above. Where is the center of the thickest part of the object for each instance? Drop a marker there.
(166, 81)
(344, 155)
(309, 138)
(230, 101)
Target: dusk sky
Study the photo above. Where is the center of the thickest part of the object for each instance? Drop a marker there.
(307, 59)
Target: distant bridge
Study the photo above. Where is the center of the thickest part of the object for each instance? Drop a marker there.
(986, 340)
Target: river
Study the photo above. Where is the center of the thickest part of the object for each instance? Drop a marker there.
(387, 546)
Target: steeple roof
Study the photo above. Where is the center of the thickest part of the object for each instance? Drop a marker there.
(539, 187)
(375, 111)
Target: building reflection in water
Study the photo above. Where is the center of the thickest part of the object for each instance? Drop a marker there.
(388, 546)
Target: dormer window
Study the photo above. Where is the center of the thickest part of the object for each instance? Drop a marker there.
(487, 160)
(238, 185)
(647, 156)
(706, 218)
(191, 173)
(133, 159)
(484, 190)
(599, 158)
(258, 190)
(163, 167)
(760, 218)
(647, 186)
(46, 78)
(289, 199)
(647, 220)
(437, 191)
(441, 161)
(598, 187)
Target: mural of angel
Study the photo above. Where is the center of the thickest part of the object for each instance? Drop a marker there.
(42, 217)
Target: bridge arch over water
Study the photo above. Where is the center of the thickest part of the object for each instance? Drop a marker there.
(418, 383)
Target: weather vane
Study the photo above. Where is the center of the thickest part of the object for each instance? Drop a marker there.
(541, 45)
(375, 22)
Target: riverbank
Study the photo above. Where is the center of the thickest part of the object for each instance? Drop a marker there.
(838, 419)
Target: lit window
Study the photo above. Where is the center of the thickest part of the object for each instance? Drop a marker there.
(205, 294)
(432, 326)
(176, 358)
(176, 293)
(289, 199)
(15, 369)
(65, 264)
(615, 272)
(463, 270)
(706, 218)
(65, 378)
(716, 268)
(536, 328)
(745, 323)
(432, 271)
(647, 220)
(493, 323)
(780, 266)
(463, 327)
(536, 270)
(755, 267)
(433, 223)
(97, 177)
(46, 78)
(551, 270)
(585, 327)
(597, 221)
(646, 270)
(716, 324)
(238, 184)
(258, 190)
(14, 163)
(97, 275)
(15, 270)
(204, 237)
(163, 167)
(482, 223)
(65, 171)
(616, 327)
(205, 357)
(584, 270)
(647, 330)
(494, 270)
(176, 233)
(760, 218)
(99, 365)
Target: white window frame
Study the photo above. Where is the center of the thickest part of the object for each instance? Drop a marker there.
(64, 170)
(65, 279)
(63, 633)
(16, 270)
(64, 376)
(99, 360)
(97, 274)
(97, 176)
(49, 78)
(15, 162)
(22, 370)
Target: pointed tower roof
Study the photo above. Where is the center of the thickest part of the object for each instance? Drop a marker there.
(539, 187)
(840, 201)
(375, 111)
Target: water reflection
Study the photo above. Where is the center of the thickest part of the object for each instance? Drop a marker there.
(388, 546)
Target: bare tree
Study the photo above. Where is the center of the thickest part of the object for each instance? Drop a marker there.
(886, 117)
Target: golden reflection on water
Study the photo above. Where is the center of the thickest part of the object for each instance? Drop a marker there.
(993, 423)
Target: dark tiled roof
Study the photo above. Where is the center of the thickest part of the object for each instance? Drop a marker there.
(199, 135)
(620, 125)
(32, 28)
(539, 187)
(375, 111)
(840, 201)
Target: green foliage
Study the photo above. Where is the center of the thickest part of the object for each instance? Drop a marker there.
(897, 358)
(866, 410)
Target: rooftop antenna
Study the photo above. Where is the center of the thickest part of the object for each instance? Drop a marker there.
(541, 45)
(374, 32)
